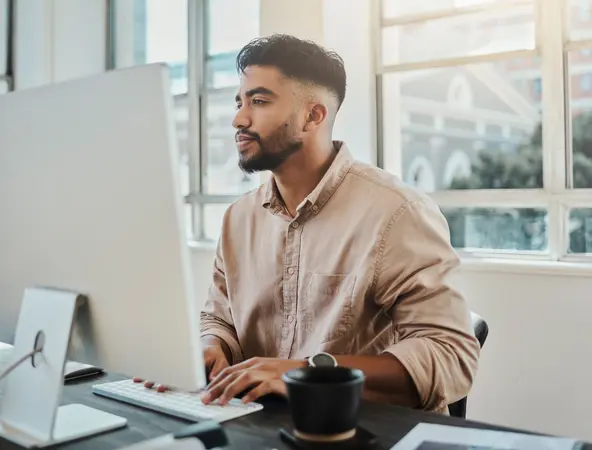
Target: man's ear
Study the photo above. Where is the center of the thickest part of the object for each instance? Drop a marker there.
(317, 114)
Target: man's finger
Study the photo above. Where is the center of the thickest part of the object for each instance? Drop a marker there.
(221, 375)
(262, 389)
(216, 387)
(150, 385)
(218, 366)
(241, 383)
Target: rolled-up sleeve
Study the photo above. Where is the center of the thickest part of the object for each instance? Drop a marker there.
(434, 339)
(216, 315)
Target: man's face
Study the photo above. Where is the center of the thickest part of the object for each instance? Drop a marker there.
(268, 119)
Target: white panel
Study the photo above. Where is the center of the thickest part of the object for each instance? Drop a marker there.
(58, 40)
(3, 87)
(98, 156)
(79, 47)
(32, 59)
(124, 33)
(3, 36)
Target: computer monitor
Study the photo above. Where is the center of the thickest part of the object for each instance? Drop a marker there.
(91, 201)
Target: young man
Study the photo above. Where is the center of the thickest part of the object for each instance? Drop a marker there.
(330, 255)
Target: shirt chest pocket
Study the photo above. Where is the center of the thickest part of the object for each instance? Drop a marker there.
(328, 311)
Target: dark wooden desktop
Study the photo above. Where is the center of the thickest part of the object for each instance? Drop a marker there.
(255, 431)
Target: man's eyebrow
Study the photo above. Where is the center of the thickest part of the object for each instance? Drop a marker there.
(255, 91)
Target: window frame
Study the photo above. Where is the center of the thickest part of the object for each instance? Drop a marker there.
(6, 47)
(198, 92)
(196, 97)
(552, 46)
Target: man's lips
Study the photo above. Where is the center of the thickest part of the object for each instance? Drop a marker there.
(244, 137)
(244, 141)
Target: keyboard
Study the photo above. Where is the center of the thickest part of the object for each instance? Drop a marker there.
(178, 404)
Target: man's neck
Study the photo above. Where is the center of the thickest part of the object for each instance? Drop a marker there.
(298, 177)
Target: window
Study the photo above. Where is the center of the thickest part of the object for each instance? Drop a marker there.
(453, 36)
(586, 81)
(509, 164)
(580, 230)
(221, 179)
(5, 22)
(581, 121)
(580, 14)
(199, 41)
(150, 31)
(537, 86)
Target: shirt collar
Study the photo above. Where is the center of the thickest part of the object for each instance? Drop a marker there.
(323, 191)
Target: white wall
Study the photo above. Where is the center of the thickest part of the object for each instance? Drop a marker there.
(303, 19)
(348, 31)
(536, 364)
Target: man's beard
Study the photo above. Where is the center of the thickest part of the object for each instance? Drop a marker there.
(273, 151)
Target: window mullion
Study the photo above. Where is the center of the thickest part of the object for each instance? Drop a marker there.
(551, 36)
(492, 198)
(195, 73)
(456, 61)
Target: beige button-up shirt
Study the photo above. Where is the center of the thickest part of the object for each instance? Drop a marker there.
(363, 268)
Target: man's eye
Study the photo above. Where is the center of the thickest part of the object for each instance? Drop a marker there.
(238, 106)
(258, 101)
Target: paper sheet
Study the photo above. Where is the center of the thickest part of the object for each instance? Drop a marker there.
(442, 437)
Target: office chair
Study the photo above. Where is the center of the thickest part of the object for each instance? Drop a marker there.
(459, 408)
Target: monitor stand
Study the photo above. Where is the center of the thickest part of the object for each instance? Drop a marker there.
(30, 415)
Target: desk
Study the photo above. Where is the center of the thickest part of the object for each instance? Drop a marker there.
(255, 431)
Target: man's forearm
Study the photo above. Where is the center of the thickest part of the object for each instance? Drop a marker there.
(385, 377)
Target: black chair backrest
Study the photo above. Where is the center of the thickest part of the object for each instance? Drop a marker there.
(459, 408)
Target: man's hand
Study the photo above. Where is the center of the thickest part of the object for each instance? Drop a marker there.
(260, 376)
(216, 357)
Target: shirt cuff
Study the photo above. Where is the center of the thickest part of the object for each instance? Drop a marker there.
(416, 357)
(235, 349)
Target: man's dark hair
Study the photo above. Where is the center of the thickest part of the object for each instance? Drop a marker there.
(298, 59)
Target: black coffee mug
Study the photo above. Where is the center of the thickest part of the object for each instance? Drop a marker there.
(324, 402)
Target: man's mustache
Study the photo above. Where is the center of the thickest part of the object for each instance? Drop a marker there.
(249, 134)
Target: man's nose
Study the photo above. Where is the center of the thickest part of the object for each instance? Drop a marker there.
(241, 119)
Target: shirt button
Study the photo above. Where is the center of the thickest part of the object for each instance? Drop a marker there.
(291, 270)
(295, 224)
(290, 318)
(315, 208)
